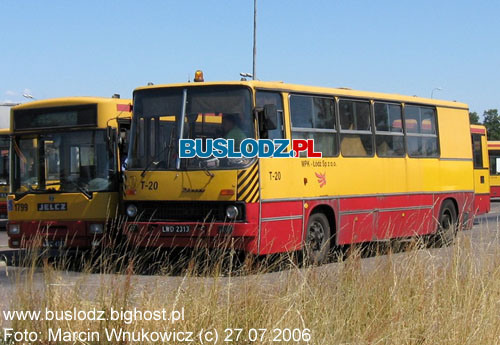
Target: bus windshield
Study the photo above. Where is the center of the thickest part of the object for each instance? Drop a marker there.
(4, 160)
(75, 162)
(209, 112)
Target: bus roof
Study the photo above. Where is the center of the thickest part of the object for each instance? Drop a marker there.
(64, 101)
(343, 92)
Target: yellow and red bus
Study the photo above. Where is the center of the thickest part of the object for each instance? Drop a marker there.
(65, 170)
(494, 159)
(391, 166)
(4, 175)
(481, 169)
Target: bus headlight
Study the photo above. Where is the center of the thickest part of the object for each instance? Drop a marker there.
(131, 210)
(96, 229)
(232, 212)
(14, 229)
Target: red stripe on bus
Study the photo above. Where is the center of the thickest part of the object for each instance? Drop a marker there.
(477, 131)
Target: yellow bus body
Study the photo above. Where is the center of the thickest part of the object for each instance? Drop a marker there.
(364, 198)
(38, 219)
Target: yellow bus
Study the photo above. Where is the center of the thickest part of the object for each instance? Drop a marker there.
(65, 170)
(494, 159)
(481, 169)
(4, 175)
(391, 166)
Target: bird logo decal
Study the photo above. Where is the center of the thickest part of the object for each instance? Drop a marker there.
(321, 179)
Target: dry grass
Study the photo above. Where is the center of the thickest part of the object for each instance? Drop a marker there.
(425, 296)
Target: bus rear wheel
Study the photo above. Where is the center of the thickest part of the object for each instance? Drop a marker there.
(317, 242)
(447, 226)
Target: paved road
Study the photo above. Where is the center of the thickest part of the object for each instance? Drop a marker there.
(484, 238)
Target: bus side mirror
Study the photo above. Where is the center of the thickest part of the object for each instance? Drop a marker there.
(270, 117)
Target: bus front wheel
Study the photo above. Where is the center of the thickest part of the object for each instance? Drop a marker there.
(317, 242)
(447, 227)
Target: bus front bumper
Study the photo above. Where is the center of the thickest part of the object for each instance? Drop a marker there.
(55, 234)
(237, 235)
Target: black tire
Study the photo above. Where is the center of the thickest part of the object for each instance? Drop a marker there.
(317, 241)
(447, 226)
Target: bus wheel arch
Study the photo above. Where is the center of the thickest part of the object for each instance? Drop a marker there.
(319, 234)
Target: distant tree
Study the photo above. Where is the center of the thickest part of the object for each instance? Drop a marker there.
(474, 118)
(492, 124)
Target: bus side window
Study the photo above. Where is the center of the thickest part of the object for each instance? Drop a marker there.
(494, 161)
(421, 131)
(267, 97)
(355, 128)
(313, 117)
(478, 151)
(389, 130)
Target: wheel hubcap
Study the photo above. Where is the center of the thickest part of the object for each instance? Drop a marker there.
(446, 222)
(316, 236)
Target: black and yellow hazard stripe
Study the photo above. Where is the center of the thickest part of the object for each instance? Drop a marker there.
(248, 184)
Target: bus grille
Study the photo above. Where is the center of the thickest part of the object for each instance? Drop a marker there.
(197, 211)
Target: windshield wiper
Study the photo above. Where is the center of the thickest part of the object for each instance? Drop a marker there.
(29, 191)
(83, 190)
(204, 165)
(149, 165)
(153, 162)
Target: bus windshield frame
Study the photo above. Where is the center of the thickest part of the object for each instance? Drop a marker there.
(209, 112)
(79, 161)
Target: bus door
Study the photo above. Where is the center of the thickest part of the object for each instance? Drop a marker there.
(122, 140)
(481, 173)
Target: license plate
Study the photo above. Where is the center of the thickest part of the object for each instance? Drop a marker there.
(170, 229)
(53, 243)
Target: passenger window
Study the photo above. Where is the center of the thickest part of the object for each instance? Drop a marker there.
(421, 132)
(266, 97)
(389, 135)
(428, 121)
(355, 133)
(313, 117)
(477, 150)
(412, 115)
(494, 160)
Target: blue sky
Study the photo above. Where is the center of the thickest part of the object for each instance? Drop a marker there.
(97, 48)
